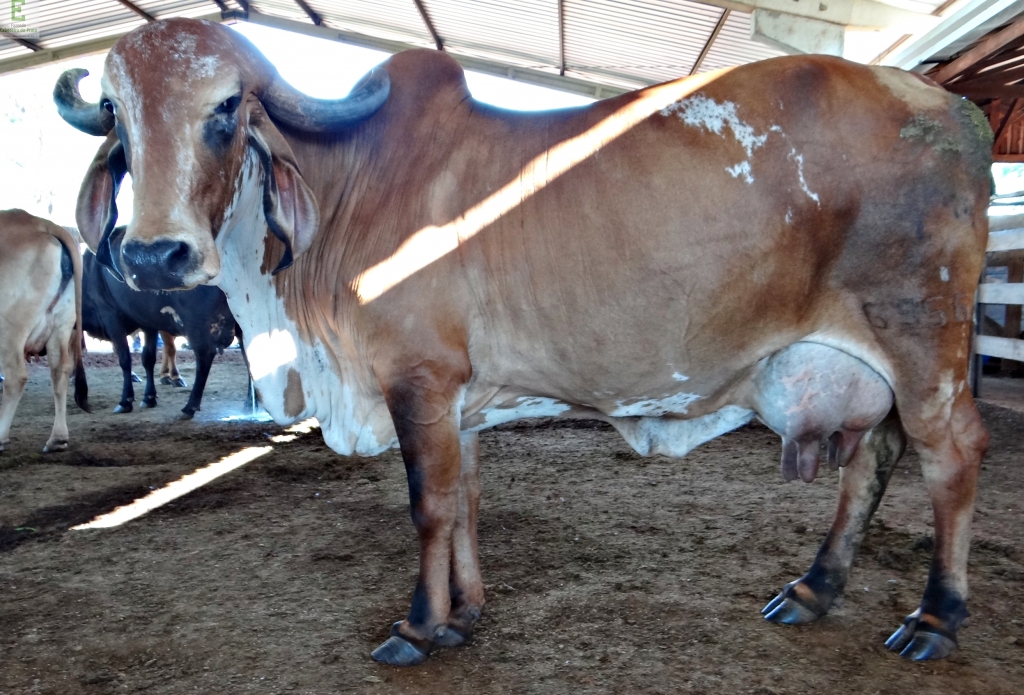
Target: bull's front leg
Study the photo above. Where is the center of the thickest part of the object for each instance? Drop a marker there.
(425, 405)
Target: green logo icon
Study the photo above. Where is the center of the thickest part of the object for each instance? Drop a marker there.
(15, 7)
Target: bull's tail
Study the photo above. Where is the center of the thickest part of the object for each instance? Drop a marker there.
(77, 340)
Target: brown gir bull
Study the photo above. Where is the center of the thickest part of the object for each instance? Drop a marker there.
(40, 313)
(796, 240)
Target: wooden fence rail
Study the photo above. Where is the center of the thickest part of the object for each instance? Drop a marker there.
(1006, 234)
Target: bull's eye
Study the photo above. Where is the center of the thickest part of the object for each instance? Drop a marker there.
(108, 105)
(229, 105)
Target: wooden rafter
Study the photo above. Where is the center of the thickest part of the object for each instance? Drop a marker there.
(711, 40)
(138, 10)
(983, 49)
(1006, 120)
(429, 24)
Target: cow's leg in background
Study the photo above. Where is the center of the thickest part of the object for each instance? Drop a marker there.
(124, 360)
(862, 483)
(12, 364)
(425, 405)
(149, 364)
(58, 354)
(466, 582)
(204, 351)
(169, 375)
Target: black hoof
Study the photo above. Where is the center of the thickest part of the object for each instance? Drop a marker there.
(179, 382)
(450, 638)
(149, 404)
(788, 609)
(55, 445)
(919, 644)
(398, 651)
(165, 380)
(136, 378)
(186, 414)
(124, 408)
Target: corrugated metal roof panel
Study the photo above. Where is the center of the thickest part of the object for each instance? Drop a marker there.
(396, 20)
(636, 41)
(526, 30)
(9, 49)
(734, 46)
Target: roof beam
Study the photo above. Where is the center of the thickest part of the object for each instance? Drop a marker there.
(860, 14)
(221, 5)
(138, 10)
(711, 40)
(429, 24)
(561, 37)
(1005, 121)
(982, 50)
(310, 12)
(24, 43)
(980, 94)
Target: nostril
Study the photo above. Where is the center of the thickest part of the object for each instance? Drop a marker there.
(160, 265)
(178, 256)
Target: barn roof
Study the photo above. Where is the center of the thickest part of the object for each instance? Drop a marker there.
(597, 47)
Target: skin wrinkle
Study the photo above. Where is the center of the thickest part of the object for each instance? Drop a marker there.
(640, 214)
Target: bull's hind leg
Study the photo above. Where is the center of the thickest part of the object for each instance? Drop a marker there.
(862, 484)
(946, 430)
(12, 363)
(59, 356)
(466, 584)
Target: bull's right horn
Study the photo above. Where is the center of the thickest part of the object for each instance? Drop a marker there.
(88, 118)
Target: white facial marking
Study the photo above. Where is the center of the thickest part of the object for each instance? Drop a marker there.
(269, 351)
(944, 274)
(705, 113)
(676, 403)
(799, 159)
(789, 216)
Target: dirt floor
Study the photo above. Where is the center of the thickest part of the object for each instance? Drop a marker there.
(606, 573)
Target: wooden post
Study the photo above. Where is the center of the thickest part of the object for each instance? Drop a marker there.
(1015, 273)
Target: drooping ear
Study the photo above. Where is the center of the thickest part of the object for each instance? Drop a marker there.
(289, 206)
(94, 195)
(96, 210)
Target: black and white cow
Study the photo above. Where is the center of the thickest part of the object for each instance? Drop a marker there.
(112, 311)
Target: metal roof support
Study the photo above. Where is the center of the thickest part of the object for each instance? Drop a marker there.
(138, 10)
(430, 25)
(561, 37)
(951, 27)
(221, 5)
(25, 43)
(711, 40)
(313, 14)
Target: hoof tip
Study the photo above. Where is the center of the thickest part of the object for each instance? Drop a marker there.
(397, 651)
(56, 445)
(123, 409)
(920, 645)
(788, 612)
(450, 638)
(146, 404)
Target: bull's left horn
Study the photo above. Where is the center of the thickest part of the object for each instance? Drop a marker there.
(88, 118)
(290, 106)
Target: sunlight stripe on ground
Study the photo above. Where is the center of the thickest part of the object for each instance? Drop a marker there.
(176, 489)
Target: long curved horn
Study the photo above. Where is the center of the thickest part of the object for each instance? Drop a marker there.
(286, 104)
(88, 118)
